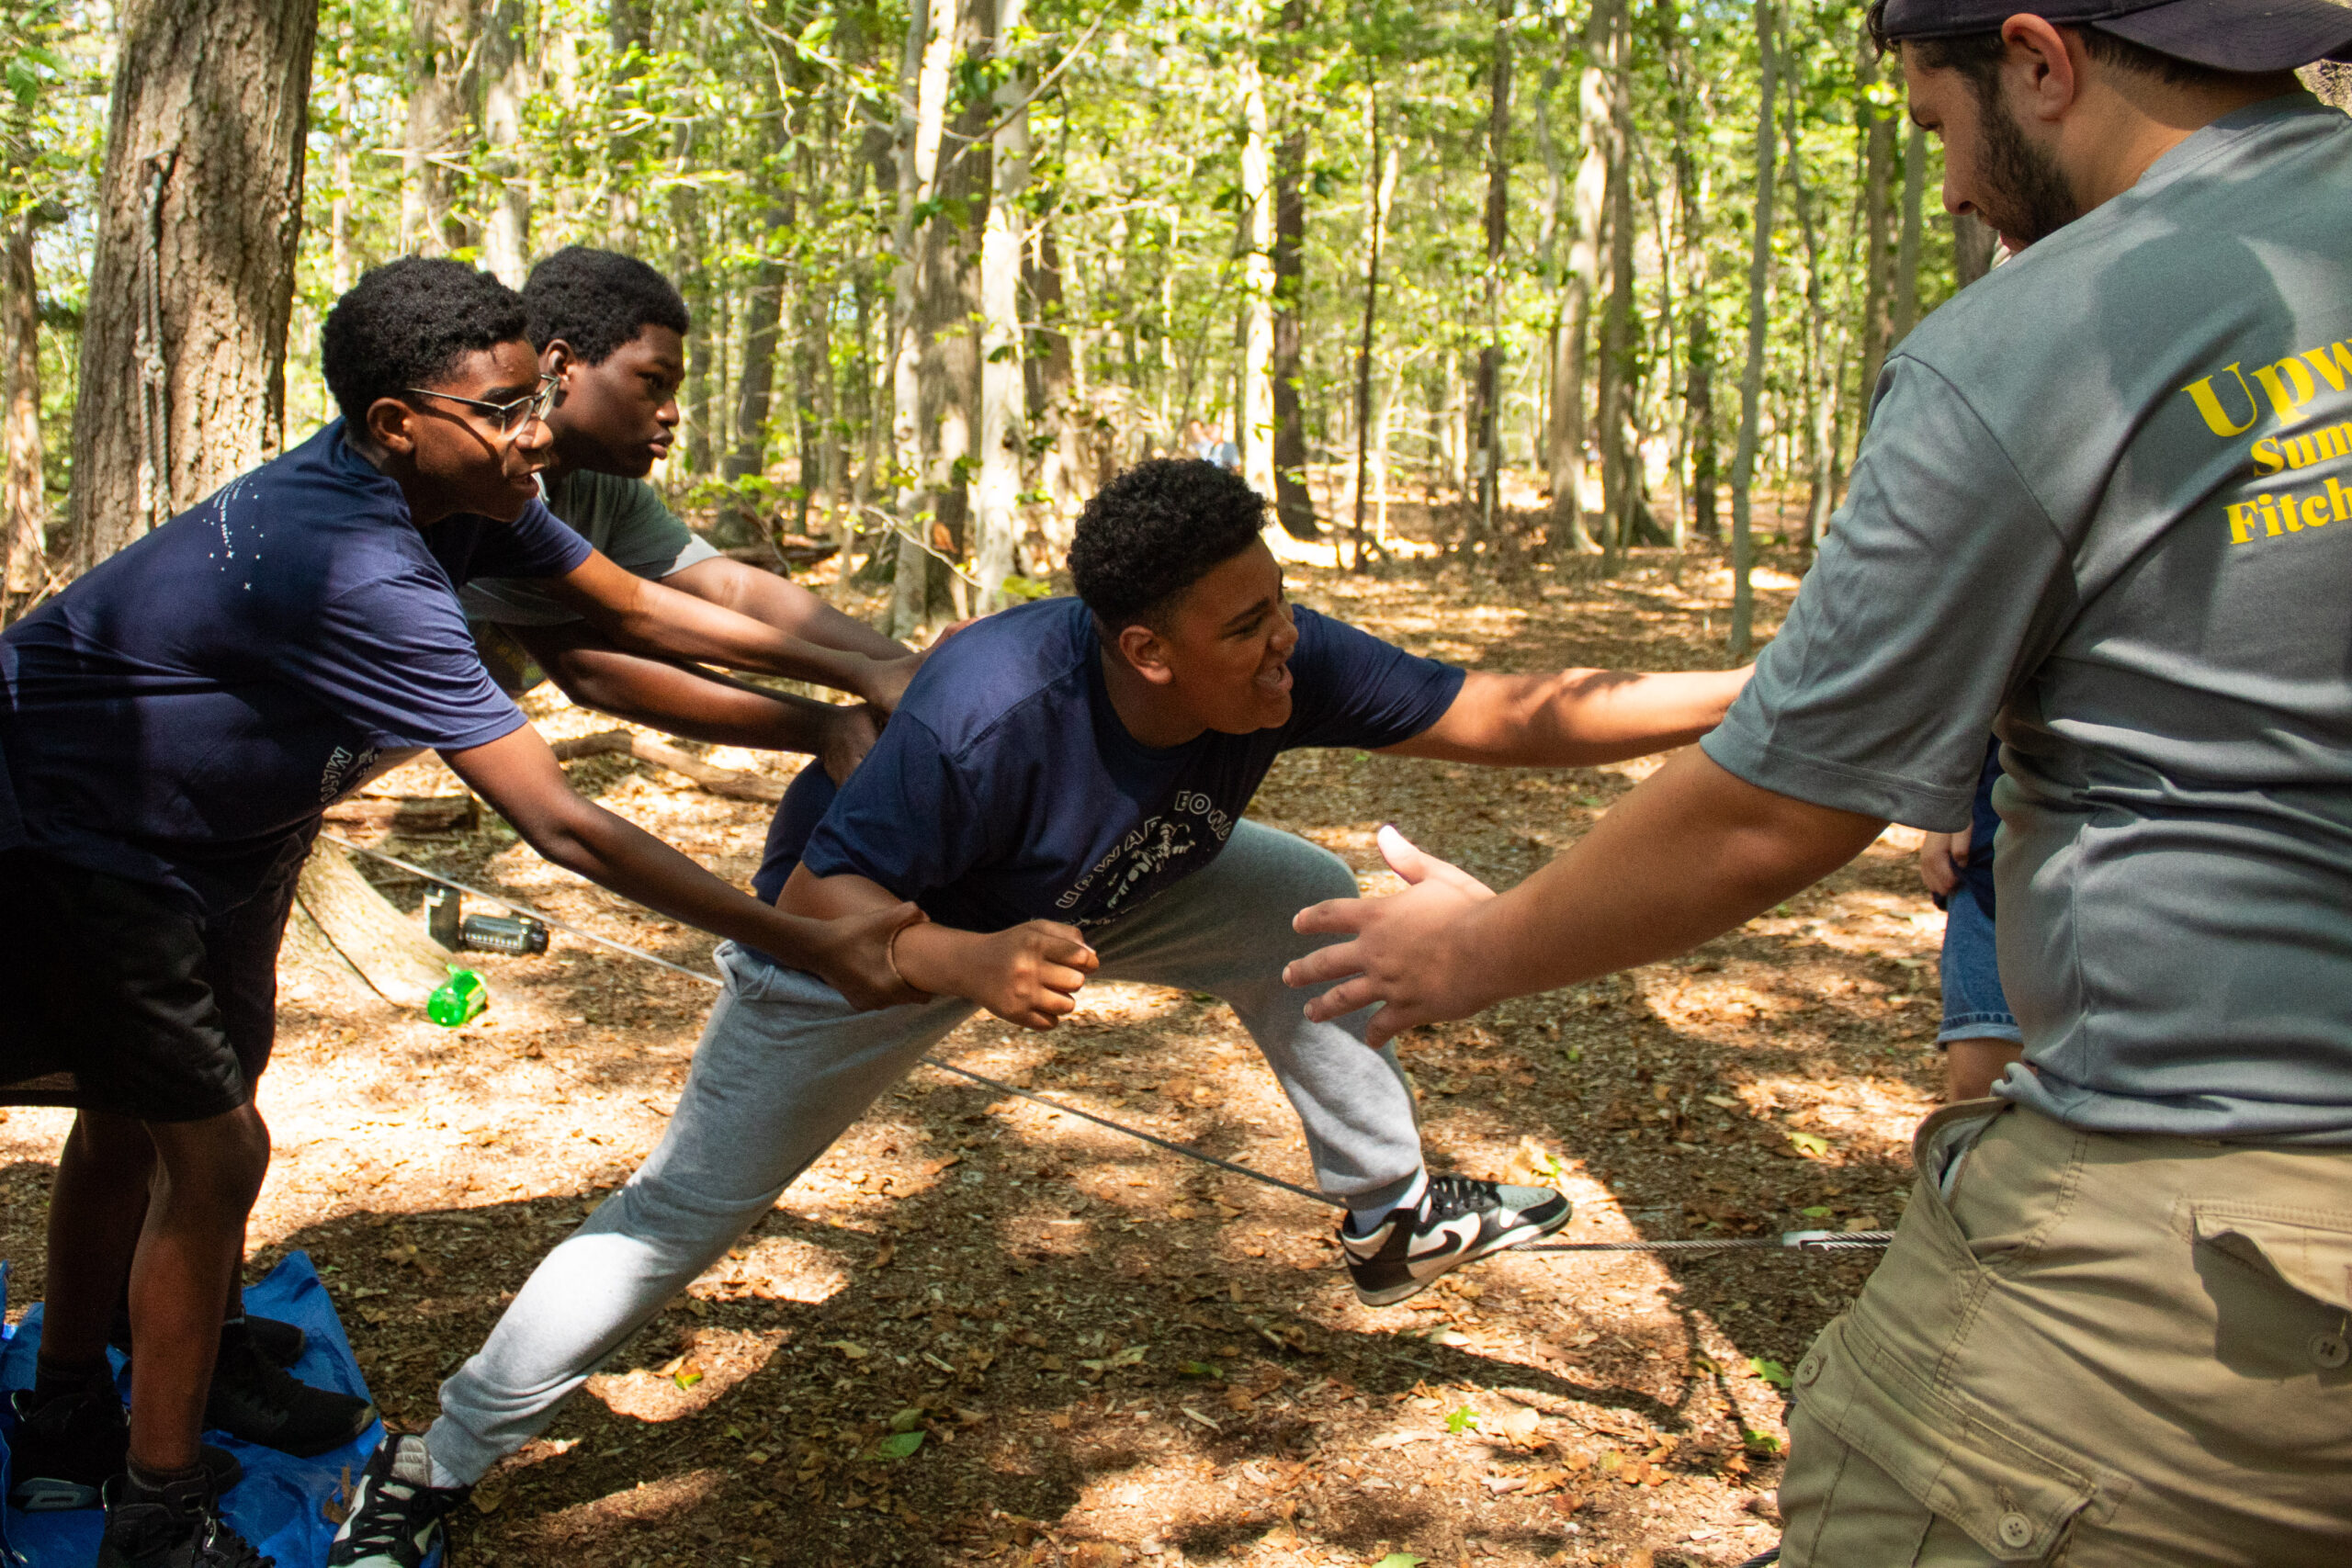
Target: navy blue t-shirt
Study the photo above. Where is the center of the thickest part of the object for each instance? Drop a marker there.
(1005, 788)
(182, 714)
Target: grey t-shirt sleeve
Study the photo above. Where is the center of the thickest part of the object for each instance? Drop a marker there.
(624, 518)
(1942, 582)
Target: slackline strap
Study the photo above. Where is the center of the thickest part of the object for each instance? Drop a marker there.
(1802, 1241)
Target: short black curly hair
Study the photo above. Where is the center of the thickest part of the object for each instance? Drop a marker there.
(1156, 530)
(407, 323)
(597, 300)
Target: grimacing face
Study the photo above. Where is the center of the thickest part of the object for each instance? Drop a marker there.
(1227, 644)
(619, 417)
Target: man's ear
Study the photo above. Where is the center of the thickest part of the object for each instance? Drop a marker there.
(2041, 68)
(1145, 653)
(556, 358)
(391, 425)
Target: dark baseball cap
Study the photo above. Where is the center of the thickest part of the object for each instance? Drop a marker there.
(2228, 35)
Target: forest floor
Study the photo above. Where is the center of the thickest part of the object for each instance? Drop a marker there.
(981, 1331)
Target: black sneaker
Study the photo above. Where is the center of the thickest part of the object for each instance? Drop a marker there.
(255, 1399)
(65, 1453)
(396, 1511)
(1457, 1219)
(179, 1527)
(278, 1341)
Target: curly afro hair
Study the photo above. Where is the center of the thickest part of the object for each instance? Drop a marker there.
(407, 323)
(1156, 530)
(597, 300)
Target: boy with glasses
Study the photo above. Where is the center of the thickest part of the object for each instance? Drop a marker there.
(171, 727)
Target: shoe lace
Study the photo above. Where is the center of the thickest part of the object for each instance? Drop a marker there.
(1452, 1195)
(396, 1508)
(218, 1546)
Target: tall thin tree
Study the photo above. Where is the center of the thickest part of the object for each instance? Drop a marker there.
(1751, 378)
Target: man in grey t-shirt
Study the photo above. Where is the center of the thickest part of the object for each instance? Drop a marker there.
(2104, 507)
(613, 328)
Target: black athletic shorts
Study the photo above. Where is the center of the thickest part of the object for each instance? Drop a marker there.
(159, 1014)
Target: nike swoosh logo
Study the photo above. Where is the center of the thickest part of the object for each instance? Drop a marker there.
(1450, 1238)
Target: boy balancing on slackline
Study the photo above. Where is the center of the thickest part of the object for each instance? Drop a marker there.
(611, 331)
(172, 726)
(1071, 763)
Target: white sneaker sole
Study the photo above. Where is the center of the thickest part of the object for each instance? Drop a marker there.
(1517, 1236)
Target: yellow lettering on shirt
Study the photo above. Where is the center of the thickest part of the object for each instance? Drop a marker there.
(2313, 511)
(2209, 403)
(2289, 392)
(2267, 459)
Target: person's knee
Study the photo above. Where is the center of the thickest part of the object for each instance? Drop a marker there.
(115, 1148)
(215, 1165)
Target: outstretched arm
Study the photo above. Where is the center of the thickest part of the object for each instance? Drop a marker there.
(519, 776)
(1576, 717)
(649, 618)
(698, 704)
(1688, 855)
(1027, 975)
(782, 604)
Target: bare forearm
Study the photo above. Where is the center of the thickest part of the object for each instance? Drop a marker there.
(698, 705)
(1690, 854)
(1578, 717)
(619, 855)
(764, 596)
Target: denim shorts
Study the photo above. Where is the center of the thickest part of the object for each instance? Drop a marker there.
(1974, 1008)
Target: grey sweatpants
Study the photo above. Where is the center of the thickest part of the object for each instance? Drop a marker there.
(785, 1067)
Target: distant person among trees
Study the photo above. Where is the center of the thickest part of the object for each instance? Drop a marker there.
(1979, 1035)
(172, 726)
(1063, 792)
(611, 331)
(2115, 1327)
(1210, 446)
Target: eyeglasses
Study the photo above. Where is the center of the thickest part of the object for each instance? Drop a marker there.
(510, 417)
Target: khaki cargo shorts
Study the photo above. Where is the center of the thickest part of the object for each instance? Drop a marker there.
(2092, 1351)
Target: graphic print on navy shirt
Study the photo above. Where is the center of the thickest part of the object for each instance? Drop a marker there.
(1005, 789)
(182, 713)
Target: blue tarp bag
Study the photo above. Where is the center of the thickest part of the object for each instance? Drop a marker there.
(280, 1505)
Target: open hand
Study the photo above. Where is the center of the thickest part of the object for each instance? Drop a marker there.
(1404, 954)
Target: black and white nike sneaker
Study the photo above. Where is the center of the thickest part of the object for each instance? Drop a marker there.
(1457, 1219)
(396, 1511)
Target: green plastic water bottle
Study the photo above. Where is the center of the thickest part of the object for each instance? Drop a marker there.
(458, 999)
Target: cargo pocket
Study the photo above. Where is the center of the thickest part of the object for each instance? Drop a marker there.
(2280, 1281)
(2010, 1495)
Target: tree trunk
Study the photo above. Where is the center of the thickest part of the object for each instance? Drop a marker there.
(1820, 387)
(744, 520)
(949, 308)
(1004, 376)
(1062, 473)
(1294, 504)
(1973, 244)
(506, 86)
(1380, 170)
(1587, 213)
(183, 373)
(629, 28)
(24, 530)
(1620, 463)
(439, 33)
(923, 118)
(1751, 379)
(1698, 335)
(1486, 419)
(1906, 313)
(1258, 288)
(1878, 190)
